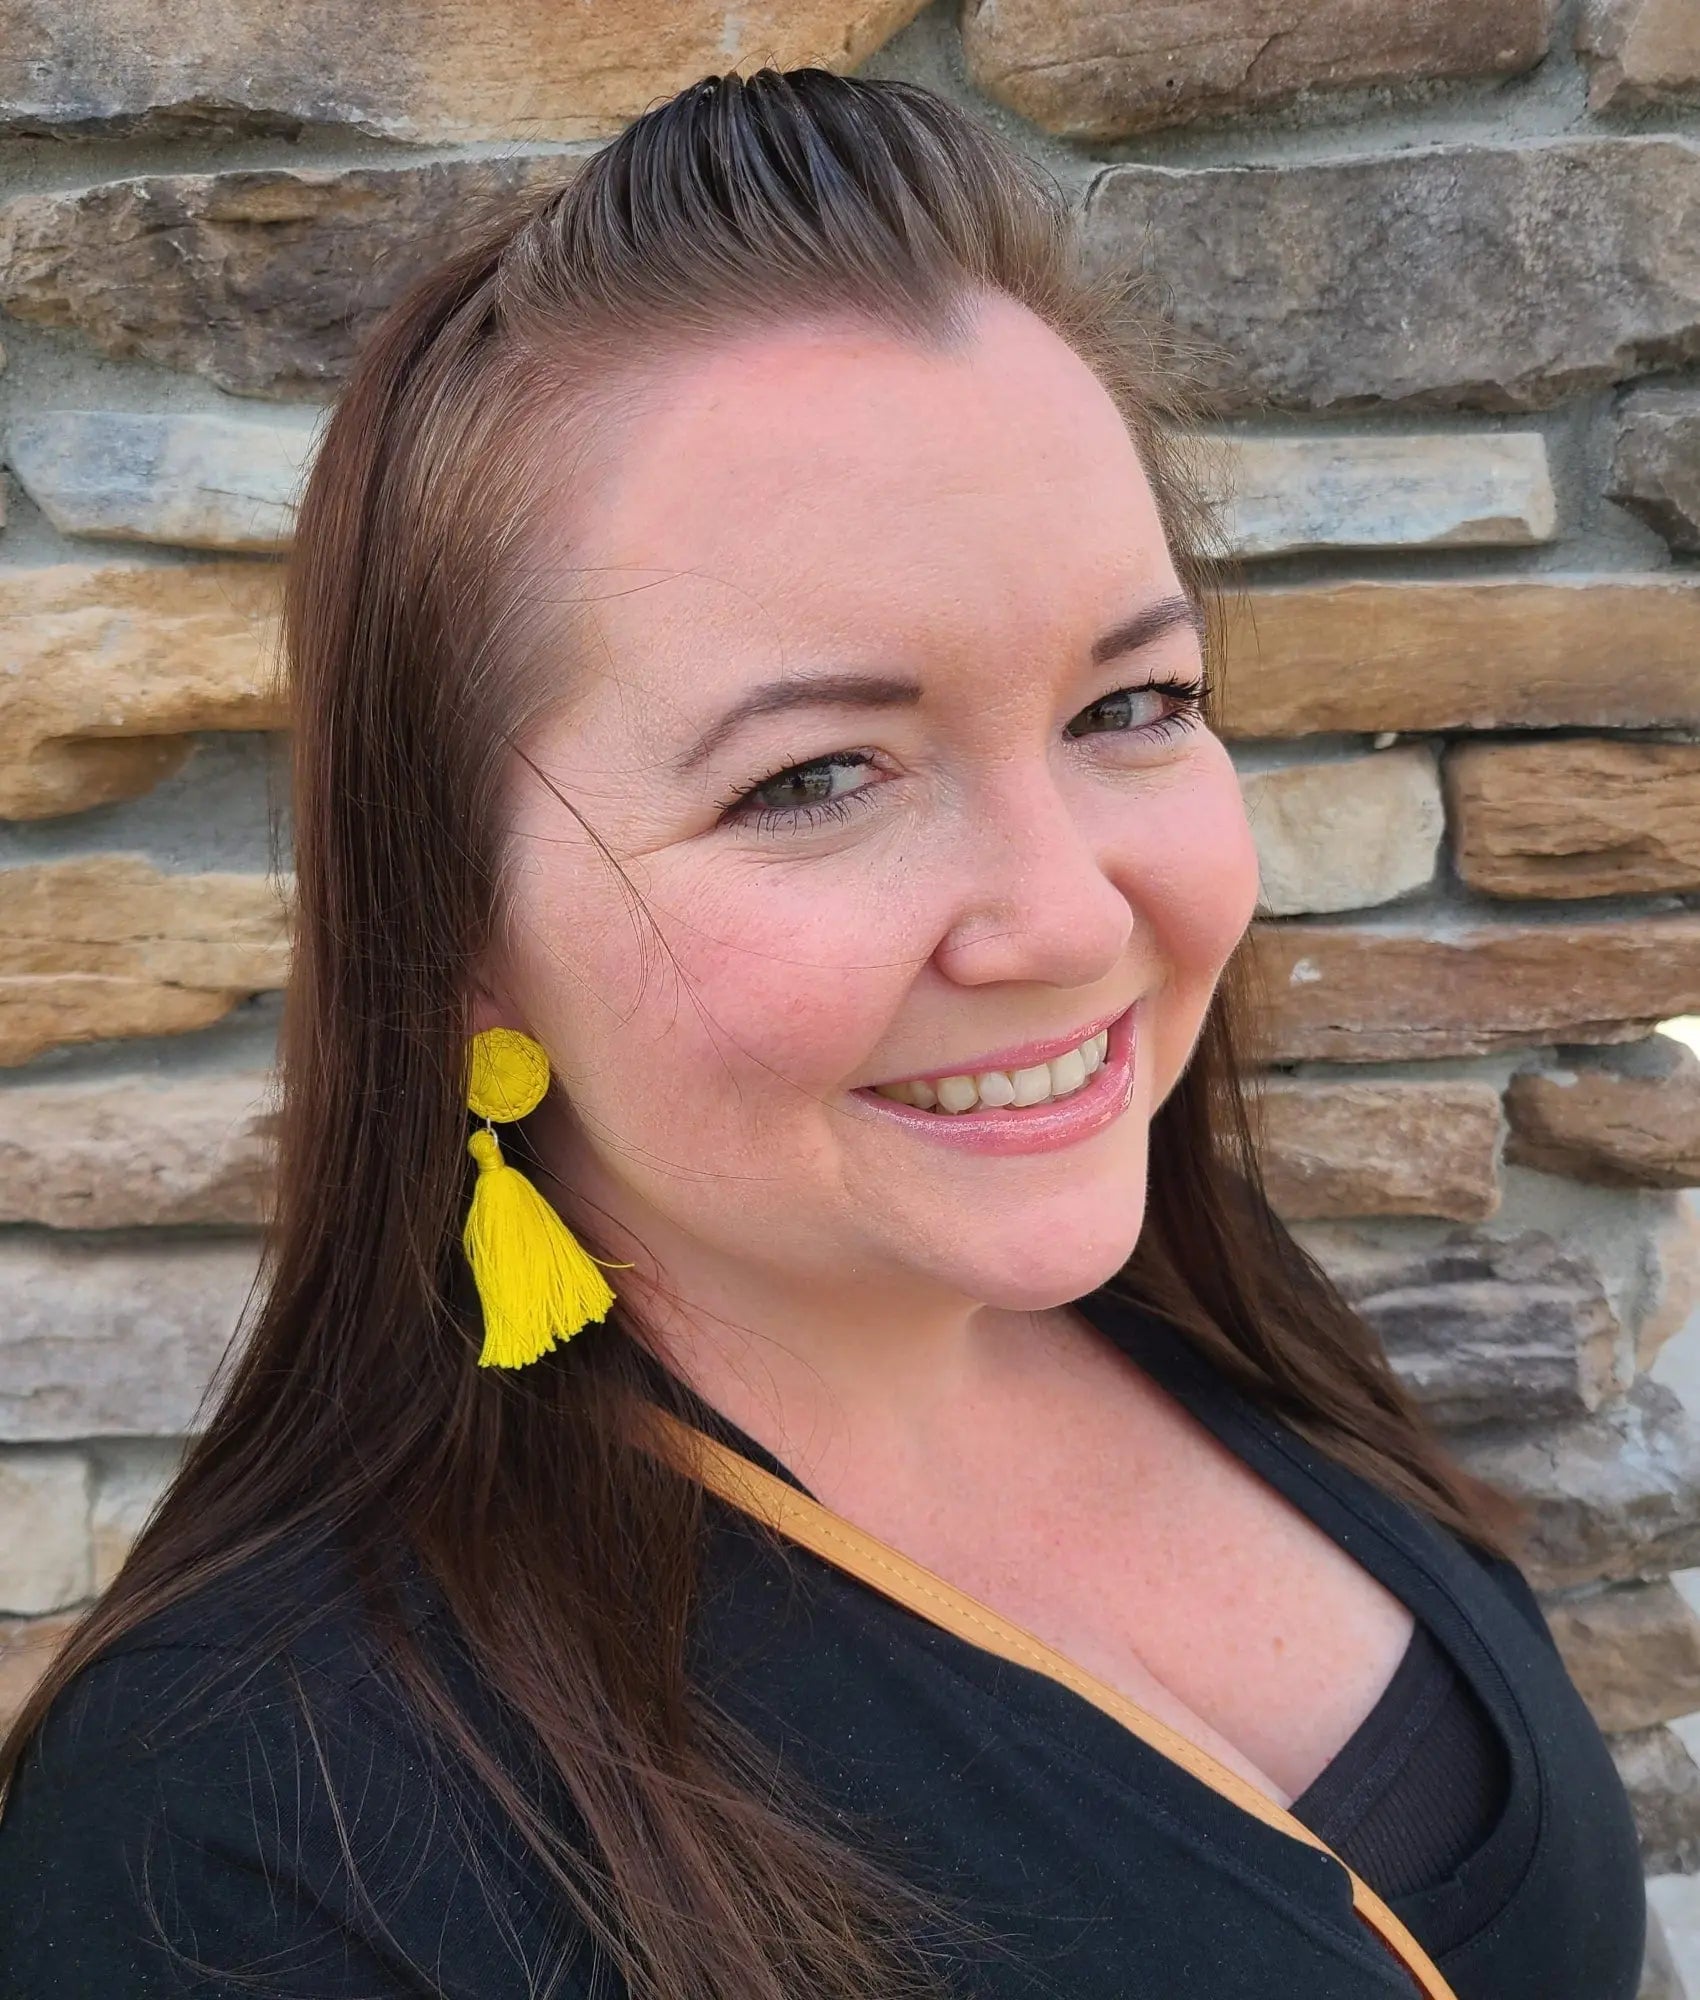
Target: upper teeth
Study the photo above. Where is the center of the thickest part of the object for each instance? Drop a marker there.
(1037, 1085)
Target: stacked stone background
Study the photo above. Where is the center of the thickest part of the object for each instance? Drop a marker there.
(1454, 249)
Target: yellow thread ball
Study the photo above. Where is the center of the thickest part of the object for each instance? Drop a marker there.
(507, 1075)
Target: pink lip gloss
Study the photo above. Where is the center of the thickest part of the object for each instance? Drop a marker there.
(1029, 1128)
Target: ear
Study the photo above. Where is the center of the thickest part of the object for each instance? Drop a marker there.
(488, 1008)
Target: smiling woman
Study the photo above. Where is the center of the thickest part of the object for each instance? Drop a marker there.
(752, 645)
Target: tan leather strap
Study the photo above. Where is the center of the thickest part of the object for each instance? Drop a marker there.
(756, 1492)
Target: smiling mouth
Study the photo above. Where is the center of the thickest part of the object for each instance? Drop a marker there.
(993, 1089)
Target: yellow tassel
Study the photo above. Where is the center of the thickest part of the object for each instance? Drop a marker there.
(537, 1283)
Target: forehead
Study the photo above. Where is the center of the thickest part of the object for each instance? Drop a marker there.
(812, 490)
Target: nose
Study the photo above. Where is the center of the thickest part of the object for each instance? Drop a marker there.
(1036, 902)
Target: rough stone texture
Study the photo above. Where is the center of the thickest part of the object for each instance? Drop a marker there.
(1287, 494)
(1089, 71)
(1576, 817)
(1345, 834)
(126, 1490)
(1510, 653)
(44, 1530)
(1672, 1289)
(1616, 1495)
(1639, 52)
(170, 476)
(437, 70)
(108, 669)
(27, 1647)
(1655, 468)
(1373, 1148)
(1663, 1784)
(1485, 1330)
(114, 1340)
(1499, 277)
(107, 944)
(1627, 1117)
(265, 281)
(1633, 1652)
(128, 1151)
(1352, 993)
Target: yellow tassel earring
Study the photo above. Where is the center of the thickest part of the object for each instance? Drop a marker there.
(536, 1282)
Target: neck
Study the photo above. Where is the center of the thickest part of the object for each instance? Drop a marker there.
(878, 1378)
(844, 1374)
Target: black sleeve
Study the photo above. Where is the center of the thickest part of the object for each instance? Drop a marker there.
(210, 1858)
(1512, 1580)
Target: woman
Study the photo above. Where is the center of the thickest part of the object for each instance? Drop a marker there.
(753, 750)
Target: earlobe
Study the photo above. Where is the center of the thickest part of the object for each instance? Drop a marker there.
(487, 1007)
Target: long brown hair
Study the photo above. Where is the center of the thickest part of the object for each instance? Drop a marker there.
(354, 1408)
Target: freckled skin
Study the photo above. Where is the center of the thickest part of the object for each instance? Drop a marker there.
(841, 499)
(887, 1314)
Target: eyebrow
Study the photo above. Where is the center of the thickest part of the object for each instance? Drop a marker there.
(854, 690)
(1156, 618)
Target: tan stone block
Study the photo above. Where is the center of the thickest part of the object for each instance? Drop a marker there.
(130, 1482)
(1576, 817)
(265, 280)
(1615, 1496)
(1380, 1148)
(1639, 52)
(1627, 1118)
(1345, 834)
(107, 944)
(439, 71)
(114, 1340)
(1336, 992)
(1503, 276)
(1510, 653)
(1090, 71)
(108, 669)
(27, 1647)
(1633, 1652)
(44, 1530)
(178, 476)
(1291, 493)
(137, 1151)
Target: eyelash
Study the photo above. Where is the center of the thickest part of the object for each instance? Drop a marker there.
(1189, 697)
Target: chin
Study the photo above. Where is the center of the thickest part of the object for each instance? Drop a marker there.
(1035, 1269)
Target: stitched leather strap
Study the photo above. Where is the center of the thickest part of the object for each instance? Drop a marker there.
(756, 1492)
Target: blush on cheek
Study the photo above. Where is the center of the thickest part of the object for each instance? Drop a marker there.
(1204, 895)
(1196, 902)
(790, 990)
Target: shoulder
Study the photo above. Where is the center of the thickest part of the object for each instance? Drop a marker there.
(282, 1631)
(232, 1786)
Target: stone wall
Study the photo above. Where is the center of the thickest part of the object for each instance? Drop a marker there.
(1454, 249)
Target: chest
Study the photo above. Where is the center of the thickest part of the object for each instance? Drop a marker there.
(1114, 1526)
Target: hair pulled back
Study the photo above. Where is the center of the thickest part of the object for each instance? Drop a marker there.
(415, 643)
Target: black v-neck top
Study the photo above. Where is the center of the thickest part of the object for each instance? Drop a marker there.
(1420, 1784)
(1086, 1865)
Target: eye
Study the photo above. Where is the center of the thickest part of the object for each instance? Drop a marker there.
(811, 794)
(802, 794)
(1154, 711)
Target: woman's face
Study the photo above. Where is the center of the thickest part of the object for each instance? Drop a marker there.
(883, 700)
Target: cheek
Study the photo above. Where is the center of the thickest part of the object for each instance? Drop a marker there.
(1197, 875)
(1194, 881)
(741, 980)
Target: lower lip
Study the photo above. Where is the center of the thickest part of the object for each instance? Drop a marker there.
(1029, 1128)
